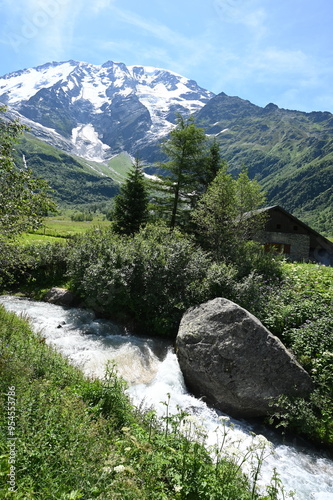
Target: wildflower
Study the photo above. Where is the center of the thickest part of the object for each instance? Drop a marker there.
(224, 419)
(232, 451)
(178, 488)
(191, 418)
(119, 468)
(107, 469)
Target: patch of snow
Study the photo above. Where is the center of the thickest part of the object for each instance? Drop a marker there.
(93, 90)
(22, 86)
(87, 143)
(152, 177)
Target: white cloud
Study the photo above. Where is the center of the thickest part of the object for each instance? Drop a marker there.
(152, 27)
(98, 6)
(273, 60)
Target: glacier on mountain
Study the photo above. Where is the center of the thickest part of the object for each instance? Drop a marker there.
(102, 109)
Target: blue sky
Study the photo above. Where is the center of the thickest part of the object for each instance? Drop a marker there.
(261, 50)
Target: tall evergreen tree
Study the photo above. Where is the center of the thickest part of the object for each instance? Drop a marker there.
(185, 149)
(131, 205)
(214, 163)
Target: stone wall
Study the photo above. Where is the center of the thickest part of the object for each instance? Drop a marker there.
(299, 243)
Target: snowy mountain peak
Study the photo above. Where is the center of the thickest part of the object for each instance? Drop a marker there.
(102, 109)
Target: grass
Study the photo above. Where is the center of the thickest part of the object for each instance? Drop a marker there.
(67, 437)
(37, 238)
(120, 166)
(57, 229)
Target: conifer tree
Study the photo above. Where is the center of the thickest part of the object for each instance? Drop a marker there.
(214, 163)
(131, 205)
(185, 149)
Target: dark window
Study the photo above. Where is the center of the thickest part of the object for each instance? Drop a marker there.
(295, 228)
(278, 226)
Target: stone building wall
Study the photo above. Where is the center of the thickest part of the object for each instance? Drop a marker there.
(294, 246)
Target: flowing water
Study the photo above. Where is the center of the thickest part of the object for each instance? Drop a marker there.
(151, 369)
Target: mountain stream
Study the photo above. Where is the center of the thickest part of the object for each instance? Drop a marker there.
(150, 367)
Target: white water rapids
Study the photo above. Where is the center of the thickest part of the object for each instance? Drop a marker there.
(151, 369)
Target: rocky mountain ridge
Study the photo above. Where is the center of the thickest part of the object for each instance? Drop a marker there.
(101, 110)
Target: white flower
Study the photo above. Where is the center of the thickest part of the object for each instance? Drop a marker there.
(178, 488)
(119, 468)
(192, 419)
(224, 419)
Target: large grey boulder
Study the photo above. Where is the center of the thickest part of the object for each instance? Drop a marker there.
(231, 360)
(61, 297)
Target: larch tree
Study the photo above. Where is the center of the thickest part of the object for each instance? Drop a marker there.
(186, 149)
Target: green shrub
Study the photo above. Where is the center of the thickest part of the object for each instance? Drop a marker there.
(150, 278)
(39, 265)
(299, 309)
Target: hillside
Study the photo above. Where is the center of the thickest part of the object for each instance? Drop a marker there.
(75, 181)
(289, 152)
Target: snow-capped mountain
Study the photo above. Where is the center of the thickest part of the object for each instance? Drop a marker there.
(100, 110)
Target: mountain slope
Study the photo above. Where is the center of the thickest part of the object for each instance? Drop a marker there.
(75, 181)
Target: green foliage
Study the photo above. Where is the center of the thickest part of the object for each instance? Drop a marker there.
(185, 149)
(213, 164)
(151, 277)
(225, 216)
(130, 210)
(32, 266)
(81, 217)
(299, 309)
(62, 441)
(24, 199)
(80, 438)
(289, 152)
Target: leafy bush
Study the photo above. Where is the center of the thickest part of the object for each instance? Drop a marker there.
(38, 265)
(12, 263)
(299, 309)
(150, 278)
